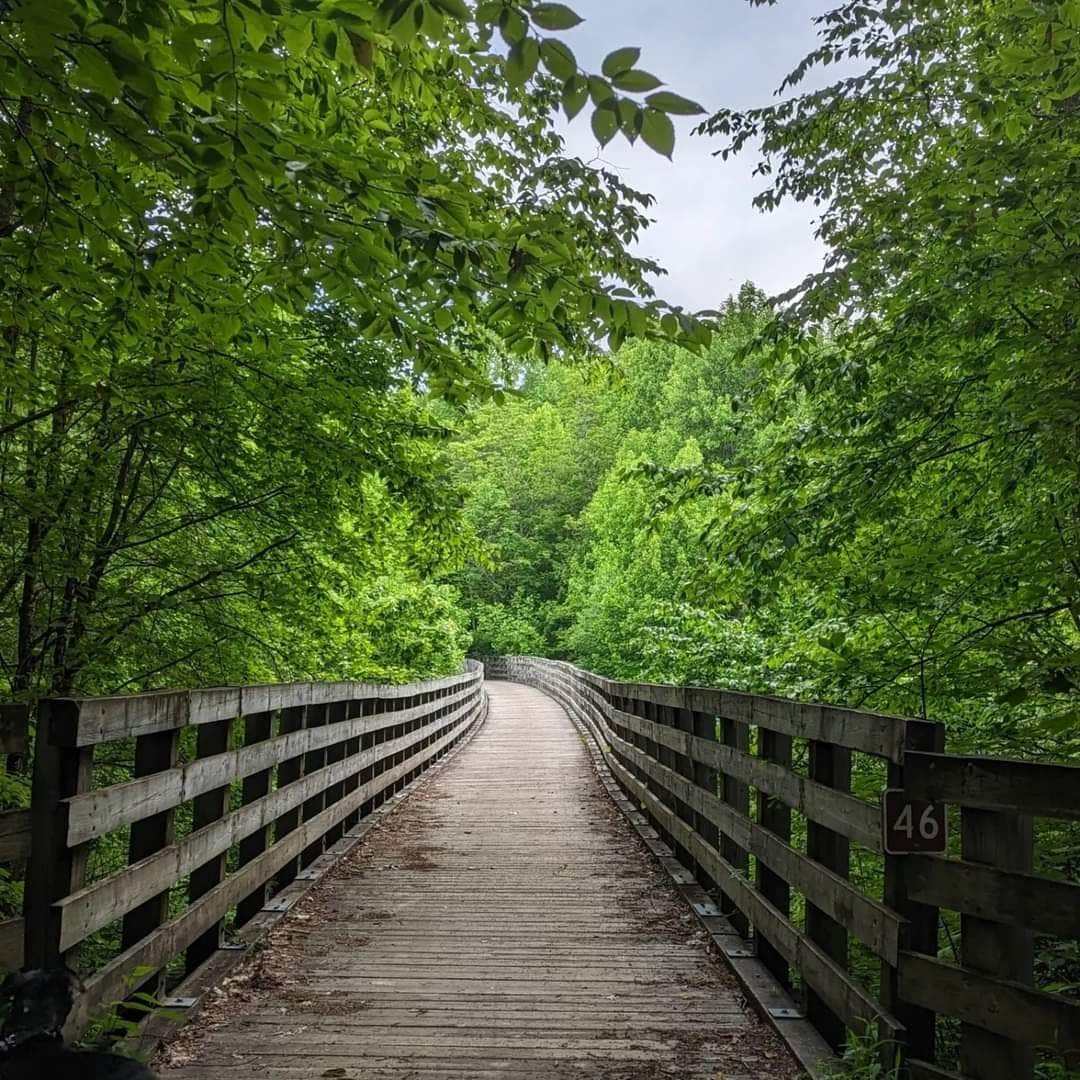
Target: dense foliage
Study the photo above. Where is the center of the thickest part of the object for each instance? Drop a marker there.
(242, 245)
(869, 492)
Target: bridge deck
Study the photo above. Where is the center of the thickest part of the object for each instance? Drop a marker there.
(505, 922)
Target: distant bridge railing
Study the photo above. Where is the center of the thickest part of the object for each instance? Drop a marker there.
(225, 797)
(754, 795)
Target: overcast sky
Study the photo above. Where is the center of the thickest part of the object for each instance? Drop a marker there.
(720, 52)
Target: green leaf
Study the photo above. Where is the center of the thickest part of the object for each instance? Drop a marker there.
(600, 90)
(558, 58)
(512, 26)
(575, 94)
(605, 123)
(668, 102)
(456, 8)
(555, 17)
(620, 61)
(522, 62)
(94, 73)
(658, 132)
(636, 81)
(298, 38)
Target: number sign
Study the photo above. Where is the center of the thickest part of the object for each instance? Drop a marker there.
(912, 825)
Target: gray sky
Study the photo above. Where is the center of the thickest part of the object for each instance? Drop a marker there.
(719, 52)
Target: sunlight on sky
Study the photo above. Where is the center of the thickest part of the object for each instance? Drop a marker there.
(719, 52)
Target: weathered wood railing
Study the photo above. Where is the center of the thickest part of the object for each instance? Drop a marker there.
(14, 829)
(234, 792)
(721, 775)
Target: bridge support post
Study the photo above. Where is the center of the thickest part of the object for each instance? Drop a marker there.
(736, 734)
(154, 753)
(921, 930)
(829, 765)
(210, 740)
(775, 816)
(258, 727)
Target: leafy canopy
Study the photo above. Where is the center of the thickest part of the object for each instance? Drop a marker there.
(227, 159)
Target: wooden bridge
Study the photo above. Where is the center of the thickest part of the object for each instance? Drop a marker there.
(540, 873)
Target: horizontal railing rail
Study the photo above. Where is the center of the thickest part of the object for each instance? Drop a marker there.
(754, 794)
(157, 818)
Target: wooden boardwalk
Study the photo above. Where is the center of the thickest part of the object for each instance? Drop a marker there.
(506, 921)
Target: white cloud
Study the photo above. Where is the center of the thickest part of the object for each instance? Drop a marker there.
(707, 234)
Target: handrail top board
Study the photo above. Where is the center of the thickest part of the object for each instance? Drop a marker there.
(992, 783)
(76, 722)
(880, 734)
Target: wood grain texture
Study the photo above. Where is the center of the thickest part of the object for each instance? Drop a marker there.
(505, 923)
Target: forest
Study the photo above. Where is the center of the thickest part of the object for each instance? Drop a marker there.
(323, 359)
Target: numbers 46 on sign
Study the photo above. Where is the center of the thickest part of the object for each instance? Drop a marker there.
(912, 825)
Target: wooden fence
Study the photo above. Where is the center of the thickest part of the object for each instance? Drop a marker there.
(233, 793)
(14, 829)
(722, 775)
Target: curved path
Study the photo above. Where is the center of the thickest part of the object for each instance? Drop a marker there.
(506, 921)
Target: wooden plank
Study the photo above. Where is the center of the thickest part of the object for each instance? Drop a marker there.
(773, 818)
(55, 870)
(173, 937)
(98, 904)
(12, 932)
(153, 753)
(734, 792)
(921, 931)
(1036, 903)
(877, 733)
(14, 729)
(843, 813)
(871, 922)
(289, 771)
(86, 721)
(258, 728)
(14, 836)
(1022, 787)
(100, 811)
(829, 765)
(212, 740)
(1008, 952)
(1009, 1009)
(840, 992)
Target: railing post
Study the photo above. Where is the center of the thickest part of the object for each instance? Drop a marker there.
(55, 870)
(354, 711)
(314, 760)
(683, 720)
(703, 726)
(775, 816)
(736, 734)
(1005, 841)
(210, 740)
(155, 752)
(339, 711)
(829, 765)
(288, 772)
(258, 727)
(920, 933)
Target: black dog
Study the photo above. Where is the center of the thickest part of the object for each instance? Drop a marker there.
(36, 1004)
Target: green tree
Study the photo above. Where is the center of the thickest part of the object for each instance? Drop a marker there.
(926, 494)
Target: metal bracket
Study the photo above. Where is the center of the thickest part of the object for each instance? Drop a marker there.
(280, 904)
(233, 946)
(179, 1002)
(738, 953)
(706, 908)
(787, 1014)
(309, 875)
